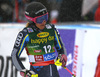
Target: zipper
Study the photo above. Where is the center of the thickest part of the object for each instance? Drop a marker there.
(50, 71)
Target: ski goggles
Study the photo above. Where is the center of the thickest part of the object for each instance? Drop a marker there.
(38, 19)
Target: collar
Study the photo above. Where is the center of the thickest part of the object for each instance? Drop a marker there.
(36, 28)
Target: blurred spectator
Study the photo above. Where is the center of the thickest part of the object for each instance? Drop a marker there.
(59, 10)
(6, 11)
(19, 10)
(54, 15)
(55, 8)
(97, 13)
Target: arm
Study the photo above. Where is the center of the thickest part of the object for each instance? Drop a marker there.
(59, 45)
(19, 45)
(60, 48)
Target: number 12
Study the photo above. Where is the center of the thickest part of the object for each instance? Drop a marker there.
(47, 48)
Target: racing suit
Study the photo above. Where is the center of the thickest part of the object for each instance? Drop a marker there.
(40, 47)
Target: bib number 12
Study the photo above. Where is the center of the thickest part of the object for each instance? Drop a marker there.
(47, 48)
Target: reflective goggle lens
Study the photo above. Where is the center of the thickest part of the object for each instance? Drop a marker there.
(41, 18)
(38, 19)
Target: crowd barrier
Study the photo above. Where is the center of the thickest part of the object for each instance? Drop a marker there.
(81, 41)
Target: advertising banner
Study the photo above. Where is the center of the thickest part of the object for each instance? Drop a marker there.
(72, 39)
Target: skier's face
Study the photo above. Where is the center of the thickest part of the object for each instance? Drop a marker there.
(42, 25)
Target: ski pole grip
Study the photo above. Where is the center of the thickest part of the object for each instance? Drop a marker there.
(36, 75)
(58, 63)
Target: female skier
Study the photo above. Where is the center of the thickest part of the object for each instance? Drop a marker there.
(40, 40)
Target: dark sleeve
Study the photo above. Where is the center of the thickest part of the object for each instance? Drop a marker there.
(20, 43)
(59, 45)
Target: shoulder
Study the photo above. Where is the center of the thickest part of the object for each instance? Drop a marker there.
(23, 33)
(27, 30)
(20, 37)
(50, 26)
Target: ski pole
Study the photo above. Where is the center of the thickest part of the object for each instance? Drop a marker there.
(69, 71)
(58, 63)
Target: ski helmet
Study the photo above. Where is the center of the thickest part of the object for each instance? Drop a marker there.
(36, 12)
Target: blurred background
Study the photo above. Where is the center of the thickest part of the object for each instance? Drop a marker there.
(78, 22)
(59, 10)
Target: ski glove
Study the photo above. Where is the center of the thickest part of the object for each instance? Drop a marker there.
(26, 73)
(63, 59)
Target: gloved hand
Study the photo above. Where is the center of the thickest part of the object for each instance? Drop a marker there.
(63, 59)
(26, 73)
